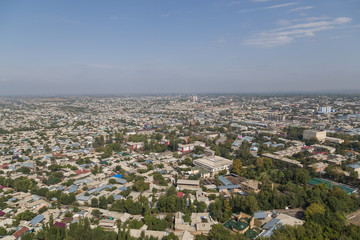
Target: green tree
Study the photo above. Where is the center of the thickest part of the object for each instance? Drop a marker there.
(94, 202)
(102, 202)
(313, 210)
(96, 213)
(237, 167)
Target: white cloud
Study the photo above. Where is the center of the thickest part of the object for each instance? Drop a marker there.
(284, 22)
(342, 20)
(316, 18)
(300, 9)
(285, 35)
(281, 5)
(269, 7)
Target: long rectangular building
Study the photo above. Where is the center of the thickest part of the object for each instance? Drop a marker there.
(283, 159)
(213, 164)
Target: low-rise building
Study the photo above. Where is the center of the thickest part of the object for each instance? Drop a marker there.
(213, 164)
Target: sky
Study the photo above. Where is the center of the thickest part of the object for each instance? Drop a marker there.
(178, 46)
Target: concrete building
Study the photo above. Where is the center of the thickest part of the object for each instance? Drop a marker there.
(185, 184)
(135, 145)
(190, 147)
(213, 164)
(310, 134)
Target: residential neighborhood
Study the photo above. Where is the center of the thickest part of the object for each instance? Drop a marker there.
(177, 166)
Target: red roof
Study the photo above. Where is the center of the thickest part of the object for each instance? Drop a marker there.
(180, 194)
(60, 224)
(307, 147)
(20, 232)
(59, 155)
(81, 171)
(316, 153)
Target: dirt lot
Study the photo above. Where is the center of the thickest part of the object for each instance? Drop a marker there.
(235, 180)
(296, 212)
(207, 181)
(354, 218)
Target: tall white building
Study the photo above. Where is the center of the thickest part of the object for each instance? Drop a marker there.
(325, 110)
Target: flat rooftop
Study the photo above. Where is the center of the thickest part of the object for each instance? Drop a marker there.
(213, 162)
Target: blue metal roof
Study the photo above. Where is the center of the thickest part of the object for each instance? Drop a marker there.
(117, 197)
(36, 220)
(99, 189)
(35, 197)
(224, 181)
(84, 180)
(260, 215)
(82, 197)
(121, 181)
(354, 165)
(229, 187)
(73, 188)
(272, 223)
(27, 164)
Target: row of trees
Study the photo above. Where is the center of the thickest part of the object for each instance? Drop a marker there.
(82, 230)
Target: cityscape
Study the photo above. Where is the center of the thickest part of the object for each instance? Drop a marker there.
(180, 120)
(178, 166)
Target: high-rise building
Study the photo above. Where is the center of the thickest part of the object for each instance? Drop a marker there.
(324, 110)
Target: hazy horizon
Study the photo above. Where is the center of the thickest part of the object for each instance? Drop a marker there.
(176, 47)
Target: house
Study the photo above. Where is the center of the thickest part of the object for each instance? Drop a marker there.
(73, 189)
(135, 145)
(121, 180)
(319, 166)
(190, 147)
(179, 194)
(136, 233)
(82, 198)
(260, 215)
(39, 218)
(184, 235)
(243, 224)
(356, 167)
(188, 184)
(20, 232)
(165, 142)
(60, 224)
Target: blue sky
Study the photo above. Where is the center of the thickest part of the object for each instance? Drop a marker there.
(197, 46)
